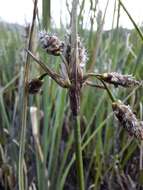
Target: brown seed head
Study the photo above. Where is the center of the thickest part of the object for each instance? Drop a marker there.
(51, 43)
(34, 86)
(119, 79)
(128, 119)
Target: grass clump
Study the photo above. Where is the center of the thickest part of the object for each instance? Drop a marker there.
(60, 133)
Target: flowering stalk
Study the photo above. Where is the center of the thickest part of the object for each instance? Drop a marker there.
(123, 113)
(73, 58)
(74, 92)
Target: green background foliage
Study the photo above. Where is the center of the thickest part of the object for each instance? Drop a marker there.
(112, 159)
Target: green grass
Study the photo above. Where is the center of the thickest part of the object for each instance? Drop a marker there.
(112, 160)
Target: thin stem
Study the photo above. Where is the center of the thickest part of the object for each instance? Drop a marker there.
(132, 20)
(118, 15)
(41, 77)
(99, 77)
(78, 151)
(89, 83)
(56, 77)
(65, 62)
(108, 91)
(74, 94)
(24, 107)
(88, 75)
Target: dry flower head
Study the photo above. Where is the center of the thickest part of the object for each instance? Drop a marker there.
(119, 79)
(128, 119)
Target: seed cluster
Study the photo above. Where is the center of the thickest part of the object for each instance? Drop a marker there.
(54, 46)
(51, 43)
(119, 79)
(128, 119)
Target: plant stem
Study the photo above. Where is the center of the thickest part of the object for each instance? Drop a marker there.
(41, 77)
(74, 94)
(65, 62)
(21, 180)
(89, 83)
(56, 77)
(99, 77)
(132, 20)
(108, 91)
(78, 151)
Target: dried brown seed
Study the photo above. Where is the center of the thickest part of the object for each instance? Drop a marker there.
(128, 119)
(119, 79)
(34, 86)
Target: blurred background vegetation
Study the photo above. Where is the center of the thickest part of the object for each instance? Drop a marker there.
(112, 159)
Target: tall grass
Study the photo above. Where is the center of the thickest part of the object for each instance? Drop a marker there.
(112, 160)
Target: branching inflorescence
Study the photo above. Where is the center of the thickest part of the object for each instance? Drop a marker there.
(73, 77)
(52, 45)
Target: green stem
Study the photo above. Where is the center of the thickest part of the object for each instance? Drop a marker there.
(130, 17)
(99, 77)
(108, 91)
(88, 75)
(74, 93)
(89, 83)
(78, 151)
